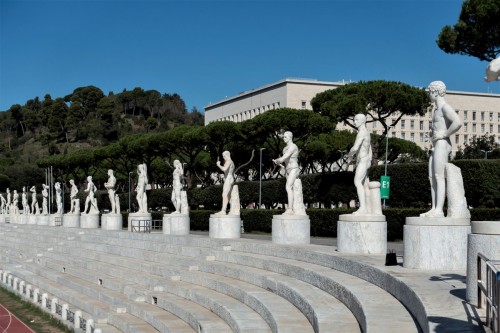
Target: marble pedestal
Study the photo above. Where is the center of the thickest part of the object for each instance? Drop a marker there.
(32, 219)
(71, 220)
(2, 218)
(24, 219)
(291, 229)
(224, 226)
(15, 218)
(176, 224)
(139, 222)
(56, 220)
(89, 221)
(362, 234)
(112, 221)
(485, 239)
(436, 243)
(42, 219)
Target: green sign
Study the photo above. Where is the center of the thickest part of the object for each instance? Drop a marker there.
(385, 190)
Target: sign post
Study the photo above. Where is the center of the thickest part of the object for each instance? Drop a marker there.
(385, 191)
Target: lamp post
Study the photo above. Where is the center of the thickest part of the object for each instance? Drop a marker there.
(260, 177)
(486, 153)
(129, 191)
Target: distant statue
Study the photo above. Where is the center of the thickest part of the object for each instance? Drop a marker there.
(290, 161)
(7, 192)
(363, 150)
(73, 197)
(228, 169)
(35, 209)
(45, 201)
(493, 71)
(15, 203)
(24, 201)
(177, 186)
(3, 206)
(445, 122)
(90, 201)
(142, 181)
(113, 197)
(59, 203)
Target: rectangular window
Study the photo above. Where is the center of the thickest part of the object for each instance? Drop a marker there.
(474, 128)
(498, 117)
(421, 137)
(412, 124)
(474, 115)
(482, 116)
(457, 138)
(491, 128)
(466, 139)
(421, 125)
(374, 124)
(465, 115)
(482, 128)
(430, 124)
(491, 116)
(498, 129)
(402, 124)
(412, 137)
(304, 105)
(403, 135)
(465, 127)
(394, 133)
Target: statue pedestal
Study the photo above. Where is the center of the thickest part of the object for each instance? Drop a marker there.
(224, 226)
(139, 222)
(71, 220)
(176, 224)
(112, 221)
(291, 229)
(32, 219)
(362, 234)
(485, 239)
(436, 243)
(89, 221)
(42, 219)
(25, 218)
(2, 218)
(56, 220)
(15, 218)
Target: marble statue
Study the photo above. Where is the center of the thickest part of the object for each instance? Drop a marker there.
(90, 201)
(3, 207)
(59, 203)
(177, 186)
(363, 150)
(45, 201)
(24, 201)
(7, 192)
(113, 197)
(457, 203)
(289, 161)
(228, 169)
(35, 209)
(445, 122)
(142, 181)
(493, 71)
(75, 202)
(15, 203)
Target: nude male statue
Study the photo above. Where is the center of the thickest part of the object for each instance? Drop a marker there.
(363, 150)
(75, 202)
(110, 186)
(445, 122)
(290, 159)
(228, 169)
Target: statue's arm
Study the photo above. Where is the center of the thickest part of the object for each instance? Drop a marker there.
(455, 123)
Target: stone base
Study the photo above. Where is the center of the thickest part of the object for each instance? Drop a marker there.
(23, 219)
(71, 220)
(438, 243)
(42, 219)
(89, 221)
(485, 239)
(15, 218)
(291, 229)
(362, 234)
(224, 226)
(112, 222)
(139, 222)
(56, 220)
(176, 224)
(2, 218)
(32, 219)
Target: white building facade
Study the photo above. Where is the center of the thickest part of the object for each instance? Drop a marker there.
(479, 112)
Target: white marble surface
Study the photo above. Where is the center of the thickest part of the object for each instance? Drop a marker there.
(362, 218)
(134, 219)
(291, 229)
(71, 220)
(112, 221)
(52, 219)
(437, 221)
(176, 224)
(89, 221)
(224, 226)
(435, 247)
(42, 219)
(362, 236)
(486, 227)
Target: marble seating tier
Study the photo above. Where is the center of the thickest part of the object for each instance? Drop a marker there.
(136, 282)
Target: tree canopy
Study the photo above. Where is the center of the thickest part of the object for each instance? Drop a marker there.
(477, 32)
(479, 147)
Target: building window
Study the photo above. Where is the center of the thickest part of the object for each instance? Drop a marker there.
(412, 124)
(491, 116)
(304, 105)
(402, 123)
(394, 133)
(465, 115)
(465, 127)
(482, 116)
(482, 128)
(473, 115)
(421, 125)
(466, 139)
(430, 124)
(498, 129)
(457, 138)
(498, 117)
(421, 137)
(474, 128)
(491, 128)
(412, 137)
(374, 124)
(403, 135)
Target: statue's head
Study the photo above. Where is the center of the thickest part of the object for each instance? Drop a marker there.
(89, 178)
(72, 182)
(436, 88)
(359, 119)
(177, 163)
(226, 155)
(287, 136)
(110, 172)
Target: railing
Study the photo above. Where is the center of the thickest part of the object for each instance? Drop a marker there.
(491, 289)
(71, 316)
(141, 225)
(58, 221)
(7, 219)
(156, 225)
(59, 309)
(83, 324)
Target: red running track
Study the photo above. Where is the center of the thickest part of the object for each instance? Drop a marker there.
(11, 324)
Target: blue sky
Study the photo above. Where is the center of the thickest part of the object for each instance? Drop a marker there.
(207, 50)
